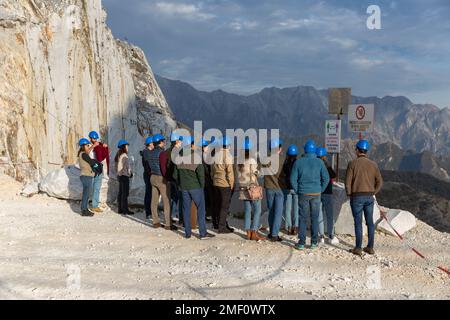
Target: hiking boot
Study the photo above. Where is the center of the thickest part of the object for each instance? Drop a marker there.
(258, 237)
(249, 235)
(369, 251)
(207, 236)
(86, 213)
(97, 210)
(171, 228)
(157, 225)
(299, 247)
(295, 231)
(356, 251)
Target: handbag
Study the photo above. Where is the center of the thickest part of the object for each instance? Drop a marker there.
(255, 191)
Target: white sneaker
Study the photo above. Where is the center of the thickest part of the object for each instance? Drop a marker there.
(322, 240)
(334, 241)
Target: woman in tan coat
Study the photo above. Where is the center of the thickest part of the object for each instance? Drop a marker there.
(247, 176)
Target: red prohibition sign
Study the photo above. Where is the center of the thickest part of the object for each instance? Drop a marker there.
(360, 112)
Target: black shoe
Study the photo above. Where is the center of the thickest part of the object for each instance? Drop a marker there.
(207, 236)
(171, 228)
(226, 231)
(269, 236)
(188, 237)
(86, 213)
(230, 228)
(276, 239)
(129, 213)
(120, 212)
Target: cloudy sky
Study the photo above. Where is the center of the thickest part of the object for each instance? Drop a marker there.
(243, 46)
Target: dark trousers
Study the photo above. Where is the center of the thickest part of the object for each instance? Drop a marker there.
(209, 200)
(198, 197)
(309, 208)
(148, 195)
(124, 191)
(360, 205)
(222, 199)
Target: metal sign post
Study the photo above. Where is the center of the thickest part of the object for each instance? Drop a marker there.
(338, 101)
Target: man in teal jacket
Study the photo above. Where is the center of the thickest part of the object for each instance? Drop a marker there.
(309, 178)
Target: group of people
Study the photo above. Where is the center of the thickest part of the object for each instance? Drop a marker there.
(298, 190)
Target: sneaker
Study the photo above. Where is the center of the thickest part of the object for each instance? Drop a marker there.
(369, 251)
(96, 210)
(314, 246)
(334, 241)
(299, 247)
(207, 236)
(129, 213)
(230, 228)
(276, 239)
(226, 231)
(322, 240)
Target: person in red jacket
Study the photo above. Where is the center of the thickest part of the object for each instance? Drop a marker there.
(100, 152)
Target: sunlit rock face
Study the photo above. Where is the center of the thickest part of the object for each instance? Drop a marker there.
(62, 74)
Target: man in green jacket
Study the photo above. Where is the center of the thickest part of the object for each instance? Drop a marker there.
(190, 179)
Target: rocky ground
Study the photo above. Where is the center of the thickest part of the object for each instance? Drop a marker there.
(44, 244)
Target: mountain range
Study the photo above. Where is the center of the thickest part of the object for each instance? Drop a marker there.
(302, 110)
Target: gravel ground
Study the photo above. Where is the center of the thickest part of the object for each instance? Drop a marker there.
(46, 247)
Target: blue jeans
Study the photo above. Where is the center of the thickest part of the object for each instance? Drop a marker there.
(198, 196)
(289, 198)
(275, 199)
(97, 185)
(256, 205)
(309, 207)
(327, 206)
(360, 205)
(87, 189)
(175, 199)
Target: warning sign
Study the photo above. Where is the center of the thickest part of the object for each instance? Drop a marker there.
(333, 136)
(361, 118)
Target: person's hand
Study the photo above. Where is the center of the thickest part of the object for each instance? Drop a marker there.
(105, 145)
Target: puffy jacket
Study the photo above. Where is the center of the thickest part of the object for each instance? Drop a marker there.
(223, 171)
(309, 175)
(154, 161)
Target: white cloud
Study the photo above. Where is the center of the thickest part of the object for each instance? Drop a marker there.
(292, 24)
(187, 11)
(241, 25)
(366, 63)
(344, 43)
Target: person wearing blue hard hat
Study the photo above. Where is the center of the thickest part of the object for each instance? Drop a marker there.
(327, 202)
(250, 192)
(124, 174)
(190, 178)
(362, 182)
(86, 176)
(209, 188)
(145, 155)
(100, 152)
(223, 181)
(309, 178)
(187, 140)
(160, 187)
(176, 208)
(290, 197)
(274, 184)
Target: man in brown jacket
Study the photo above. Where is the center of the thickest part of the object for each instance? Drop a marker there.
(362, 182)
(223, 182)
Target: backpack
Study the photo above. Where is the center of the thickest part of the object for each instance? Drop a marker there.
(97, 167)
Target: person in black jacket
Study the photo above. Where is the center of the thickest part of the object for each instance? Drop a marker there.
(290, 197)
(145, 154)
(327, 200)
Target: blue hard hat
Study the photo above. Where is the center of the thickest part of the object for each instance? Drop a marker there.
(203, 143)
(188, 140)
(310, 147)
(321, 152)
(94, 135)
(122, 143)
(248, 144)
(84, 142)
(226, 141)
(363, 145)
(148, 141)
(276, 143)
(158, 138)
(174, 137)
(292, 151)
